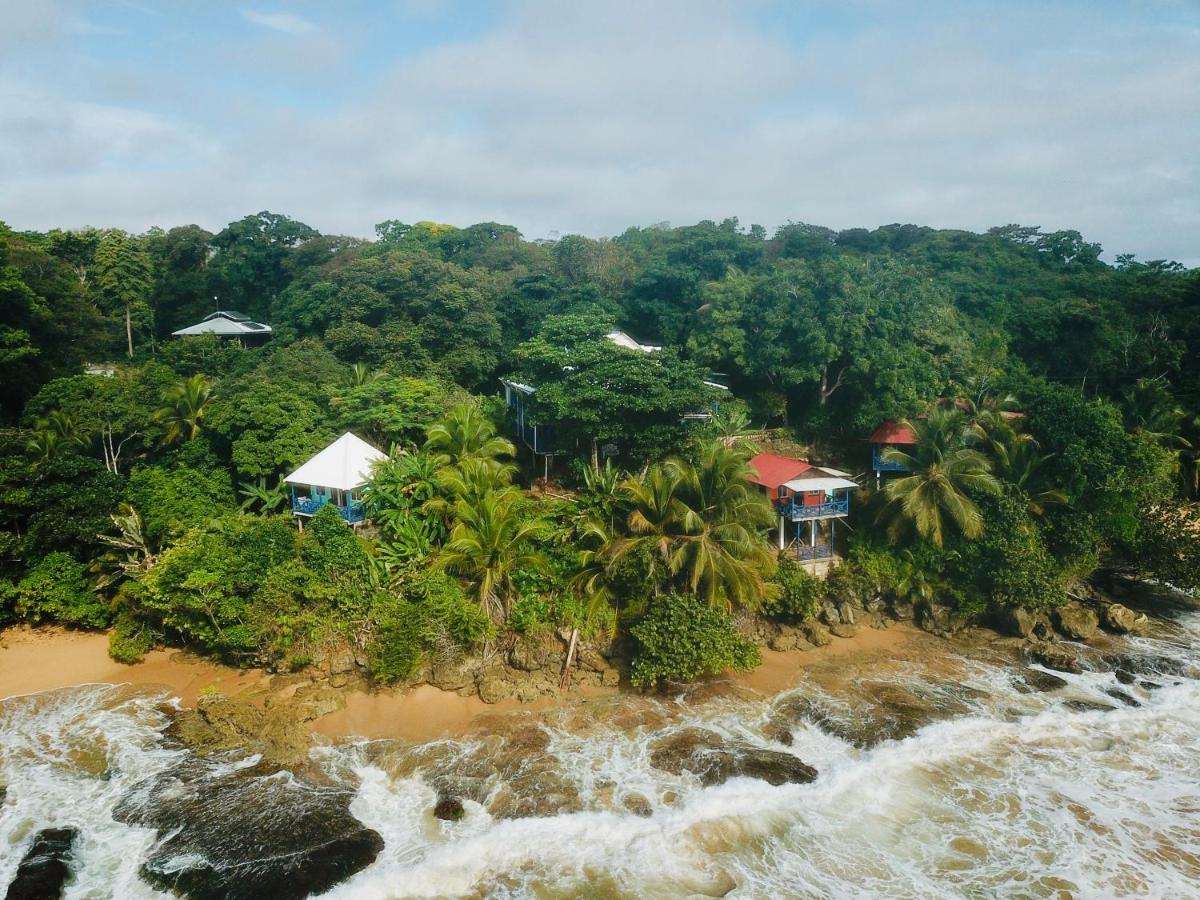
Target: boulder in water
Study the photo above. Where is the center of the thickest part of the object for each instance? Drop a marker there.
(1122, 619)
(638, 805)
(1118, 694)
(1077, 621)
(448, 809)
(706, 754)
(1033, 625)
(44, 870)
(1055, 656)
(1037, 680)
(247, 834)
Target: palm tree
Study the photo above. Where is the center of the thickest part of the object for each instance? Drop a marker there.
(698, 527)
(913, 582)
(360, 375)
(943, 470)
(466, 433)
(130, 555)
(267, 498)
(1148, 408)
(1019, 462)
(489, 543)
(184, 407)
(592, 584)
(53, 433)
(732, 428)
(723, 556)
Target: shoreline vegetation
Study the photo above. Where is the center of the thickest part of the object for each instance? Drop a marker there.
(582, 464)
(39, 659)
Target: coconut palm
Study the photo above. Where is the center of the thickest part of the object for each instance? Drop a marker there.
(732, 427)
(184, 407)
(490, 542)
(944, 471)
(592, 585)
(699, 526)
(1019, 462)
(361, 374)
(57, 431)
(466, 433)
(1149, 409)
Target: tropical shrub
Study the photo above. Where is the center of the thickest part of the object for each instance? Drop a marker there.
(800, 592)
(681, 638)
(56, 590)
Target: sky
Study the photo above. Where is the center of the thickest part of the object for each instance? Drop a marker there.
(589, 117)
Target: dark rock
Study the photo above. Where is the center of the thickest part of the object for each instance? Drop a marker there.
(706, 754)
(816, 634)
(846, 613)
(1123, 697)
(843, 631)
(1146, 665)
(493, 687)
(1122, 619)
(829, 613)
(1037, 680)
(783, 642)
(1077, 621)
(593, 660)
(875, 605)
(1149, 685)
(610, 677)
(888, 712)
(247, 834)
(527, 656)
(1124, 676)
(1055, 656)
(940, 620)
(1088, 706)
(448, 809)
(1033, 625)
(638, 805)
(903, 609)
(220, 724)
(47, 865)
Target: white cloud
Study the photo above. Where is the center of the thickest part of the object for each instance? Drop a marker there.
(571, 118)
(288, 23)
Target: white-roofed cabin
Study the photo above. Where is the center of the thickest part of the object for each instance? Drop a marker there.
(334, 476)
(229, 323)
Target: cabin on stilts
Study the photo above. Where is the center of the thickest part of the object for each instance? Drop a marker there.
(809, 500)
(890, 434)
(334, 476)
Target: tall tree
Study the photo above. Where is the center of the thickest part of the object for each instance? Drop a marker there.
(124, 281)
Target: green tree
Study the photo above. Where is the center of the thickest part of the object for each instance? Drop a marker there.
(945, 474)
(466, 434)
(682, 638)
(184, 407)
(124, 281)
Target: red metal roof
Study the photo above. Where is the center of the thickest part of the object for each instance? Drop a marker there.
(776, 470)
(893, 433)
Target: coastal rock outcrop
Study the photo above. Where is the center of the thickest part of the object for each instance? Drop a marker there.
(714, 760)
(46, 867)
(1077, 621)
(1122, 619)
(938, 619)
(1054, 656)
(247, 834)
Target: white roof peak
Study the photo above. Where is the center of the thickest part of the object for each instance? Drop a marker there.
(344, 465)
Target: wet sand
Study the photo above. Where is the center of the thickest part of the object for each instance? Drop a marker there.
(44, 659)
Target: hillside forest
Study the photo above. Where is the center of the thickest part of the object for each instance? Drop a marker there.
(1055, 397)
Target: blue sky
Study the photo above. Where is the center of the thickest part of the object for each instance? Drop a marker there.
(564, 117)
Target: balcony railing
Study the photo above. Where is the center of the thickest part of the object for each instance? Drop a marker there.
(879, 464)
(806, 553)
(797, 512)
(355, 511)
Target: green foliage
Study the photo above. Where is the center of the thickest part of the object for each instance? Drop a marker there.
(1167, 546)
(329, 546)
(130, 639)
(681, 638)
(173, 500)
(800, 592)
(56, 590)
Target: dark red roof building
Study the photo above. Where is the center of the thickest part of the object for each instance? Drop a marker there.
(773, 471)
(893, 433)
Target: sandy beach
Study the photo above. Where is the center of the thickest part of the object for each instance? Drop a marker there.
(44, 659)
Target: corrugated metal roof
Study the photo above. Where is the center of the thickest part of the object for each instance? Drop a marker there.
(775, 470)
(893, 433)
(821, 483)
(224, 323)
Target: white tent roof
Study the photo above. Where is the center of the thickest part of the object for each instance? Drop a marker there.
(345, 464)
(224, 323)
(819, 484)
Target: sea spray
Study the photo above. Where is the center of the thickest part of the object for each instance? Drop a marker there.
(1013, 792)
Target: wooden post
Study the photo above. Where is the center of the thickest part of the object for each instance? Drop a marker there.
(781, 531)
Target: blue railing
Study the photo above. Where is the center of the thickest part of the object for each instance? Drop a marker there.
(820, 551)
(355, 511)
(879, 464)
(790, 509)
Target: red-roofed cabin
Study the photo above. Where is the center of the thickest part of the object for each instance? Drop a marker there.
(801, 492)
(889, 434)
